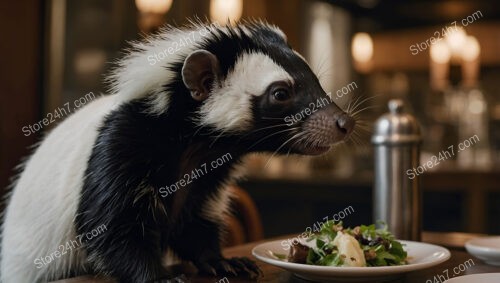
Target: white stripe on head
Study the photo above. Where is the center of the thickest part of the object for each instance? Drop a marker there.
(143, 73)
(228, 108)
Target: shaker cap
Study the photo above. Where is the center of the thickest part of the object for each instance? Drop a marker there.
(396, 127)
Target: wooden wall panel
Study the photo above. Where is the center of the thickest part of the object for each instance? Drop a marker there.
(20, 65)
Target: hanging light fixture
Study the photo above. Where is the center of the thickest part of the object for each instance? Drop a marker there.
(455, 40)
(471, 49)
(223, 10)
(151, 13)
(153, 6)
(362, 52)
(440, 52)
(362, 47)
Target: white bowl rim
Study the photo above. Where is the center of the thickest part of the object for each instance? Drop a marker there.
(473, 276)
(473, 244)
(374, 269)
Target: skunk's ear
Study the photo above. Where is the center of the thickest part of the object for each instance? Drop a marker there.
(199, 72)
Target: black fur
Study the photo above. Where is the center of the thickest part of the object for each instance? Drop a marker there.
(136, 153)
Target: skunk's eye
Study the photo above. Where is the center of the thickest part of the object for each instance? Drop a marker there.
(281, 94)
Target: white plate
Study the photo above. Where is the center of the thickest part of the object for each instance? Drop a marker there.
(421, 256)
(476, 278)
(485, 248)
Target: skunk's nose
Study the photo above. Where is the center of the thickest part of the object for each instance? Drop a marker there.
(345, 125)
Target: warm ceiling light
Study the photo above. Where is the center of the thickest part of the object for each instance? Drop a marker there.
(471, 49)
(223, 10)
(456, 40)
(153, 6)
(362, 47)
(440, 52)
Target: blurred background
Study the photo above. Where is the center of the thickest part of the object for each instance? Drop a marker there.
(441, 57)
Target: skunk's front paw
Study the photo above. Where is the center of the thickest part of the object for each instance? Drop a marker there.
(236, 266)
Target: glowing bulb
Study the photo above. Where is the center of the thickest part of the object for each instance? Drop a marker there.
(471, 49)
(153, 6)
(440, 53)
(222, 10)
(362, 47)
(456, 40)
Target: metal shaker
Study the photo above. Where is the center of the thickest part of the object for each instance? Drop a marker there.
(397, 196)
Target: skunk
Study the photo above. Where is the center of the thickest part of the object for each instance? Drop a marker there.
(140, 173)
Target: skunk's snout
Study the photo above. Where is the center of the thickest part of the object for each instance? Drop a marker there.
(330, 127)
(345, 125)
(324, 129)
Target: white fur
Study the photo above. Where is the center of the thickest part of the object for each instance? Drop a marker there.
(229, 106)
(41, 212)
(136, 76)
(40, 215)
(125, 78)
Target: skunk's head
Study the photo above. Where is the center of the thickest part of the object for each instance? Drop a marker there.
(250, 83)
(241, 81)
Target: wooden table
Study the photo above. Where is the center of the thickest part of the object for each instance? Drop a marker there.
(460, 263)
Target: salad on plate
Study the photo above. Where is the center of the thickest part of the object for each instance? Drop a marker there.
(360, 246)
